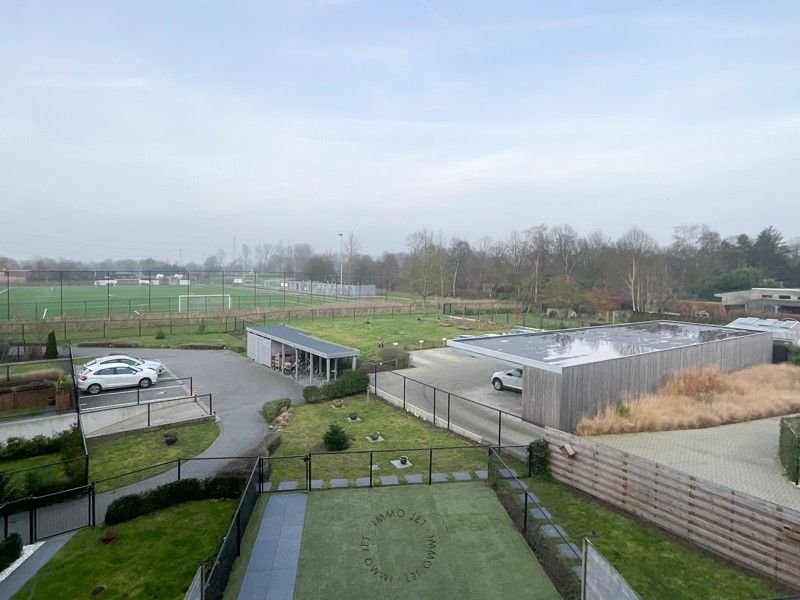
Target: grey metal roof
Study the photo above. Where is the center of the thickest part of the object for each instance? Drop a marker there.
(787, 330)
(303, 341)
(568, 347)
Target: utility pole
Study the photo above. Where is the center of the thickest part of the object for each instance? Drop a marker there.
(341, 264)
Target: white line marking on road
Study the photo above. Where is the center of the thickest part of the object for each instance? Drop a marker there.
(162, 387)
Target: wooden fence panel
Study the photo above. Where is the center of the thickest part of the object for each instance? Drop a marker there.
(753, 532)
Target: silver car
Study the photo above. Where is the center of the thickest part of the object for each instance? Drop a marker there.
(124, 359)
(115, 375)
(508, 380)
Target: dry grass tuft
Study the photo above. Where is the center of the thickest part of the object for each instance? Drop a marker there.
(705, 397)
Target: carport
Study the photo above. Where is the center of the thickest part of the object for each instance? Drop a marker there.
(272, 345)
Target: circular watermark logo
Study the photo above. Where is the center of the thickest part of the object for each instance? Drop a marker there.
(414, 546)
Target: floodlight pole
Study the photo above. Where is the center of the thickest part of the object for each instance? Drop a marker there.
(341, 264)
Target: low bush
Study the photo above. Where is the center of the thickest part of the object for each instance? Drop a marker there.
(312, 394)
(273, 408)
(394, 355)
(51, 350)
(135, 505)
(336, 438)
(10, 550)
(349, 383)
(538, 455)
(171, 438)
(160, 334)
(67, 442)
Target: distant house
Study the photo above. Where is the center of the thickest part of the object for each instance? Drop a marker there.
(778, 300)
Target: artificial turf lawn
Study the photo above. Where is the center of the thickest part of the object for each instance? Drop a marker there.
(399, 430)
(155, 556)
(474, 551)
(656, 565)
(113, 455)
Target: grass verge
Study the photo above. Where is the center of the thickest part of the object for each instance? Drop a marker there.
(655, 564)
(155, 556)
(121, 453)
(54, 475)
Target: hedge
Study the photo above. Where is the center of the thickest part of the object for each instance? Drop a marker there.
(538, 454)
(349, 383)
(65, 442)
(789, 446)
(273, 408)
(10, 550)
(135, 505)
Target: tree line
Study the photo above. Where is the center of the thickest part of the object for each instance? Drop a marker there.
(541, 265)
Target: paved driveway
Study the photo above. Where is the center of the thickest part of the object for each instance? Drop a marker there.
(742, 456)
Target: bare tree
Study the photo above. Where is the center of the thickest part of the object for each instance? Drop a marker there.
(636, 247)
(350, 249)
(565, 247)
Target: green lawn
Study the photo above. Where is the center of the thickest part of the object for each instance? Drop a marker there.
(655, 564)
(231, 342)
(155, 556)
(445, 541)
(112, 455)
(54, 474)
(399, 430)
(16, 413)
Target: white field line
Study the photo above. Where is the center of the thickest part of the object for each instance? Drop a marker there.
(44, 314)
(3, 291)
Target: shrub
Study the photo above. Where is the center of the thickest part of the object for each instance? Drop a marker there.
(335, 439)
(10, 550)
(348, 383)
(312, 394)
(51, 350)
(135, 505)
(273, 408)
(160, 334)
(68, 443)
(538, 453)
(171, 438)
(394, 354)
(622, 409)
(789, 446)
(794, 356)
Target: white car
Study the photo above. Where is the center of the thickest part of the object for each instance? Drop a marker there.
(124, 359)
(115, 375)
(508, 380)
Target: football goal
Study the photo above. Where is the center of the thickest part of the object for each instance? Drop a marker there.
(204, 302)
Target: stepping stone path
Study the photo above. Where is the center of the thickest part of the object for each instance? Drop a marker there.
(540, 513)
(518, 485)
(362, 482)
(569, 550)
(439, 477)
(508, 473)
(413, 478)
(339, 483)
(552, 531)
(272, 568)
(316, 484)
(462, 476)
(481, 474)
(285, 486)
(389, 480)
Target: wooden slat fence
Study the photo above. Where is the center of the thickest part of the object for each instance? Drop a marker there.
(755, 533)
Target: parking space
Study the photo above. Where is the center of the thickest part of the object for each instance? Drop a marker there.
(463, 375)
(167, 387)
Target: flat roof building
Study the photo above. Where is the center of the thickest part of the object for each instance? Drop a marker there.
(779, 300)
(572, 373)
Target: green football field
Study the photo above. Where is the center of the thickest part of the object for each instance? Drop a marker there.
(421, 542)
(45, 300)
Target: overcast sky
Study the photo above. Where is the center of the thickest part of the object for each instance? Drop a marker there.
(141, 128)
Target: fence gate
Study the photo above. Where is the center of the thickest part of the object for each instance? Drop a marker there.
(41, 517)
(601, 581)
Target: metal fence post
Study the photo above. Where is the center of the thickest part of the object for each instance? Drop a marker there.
(179, 468)
(93, 504)
(238, 532)
(434, 407)
(370, 469)
(430, 466)
(448, 411)
(525, 519)
(138, 400)
(191, 385)
(148, 414)
(308, 471)
(499, 428)
(404, 392)
(31, 520)
(260, 473)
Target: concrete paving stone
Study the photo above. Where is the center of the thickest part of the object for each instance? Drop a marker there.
(413, 478)
(517, 484)
(316, 484)
(552, 531)
(540, 513)
(263, 554)
(578, 570)
(389, 480)
(362, 482)
(253, 589)
(266, 486)
(285, 486)
(280, 592)
(569, 550)
(439, 477)
(482, 474)
(339, 483)
(282, 577)
(506, 473)
(461, 476)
